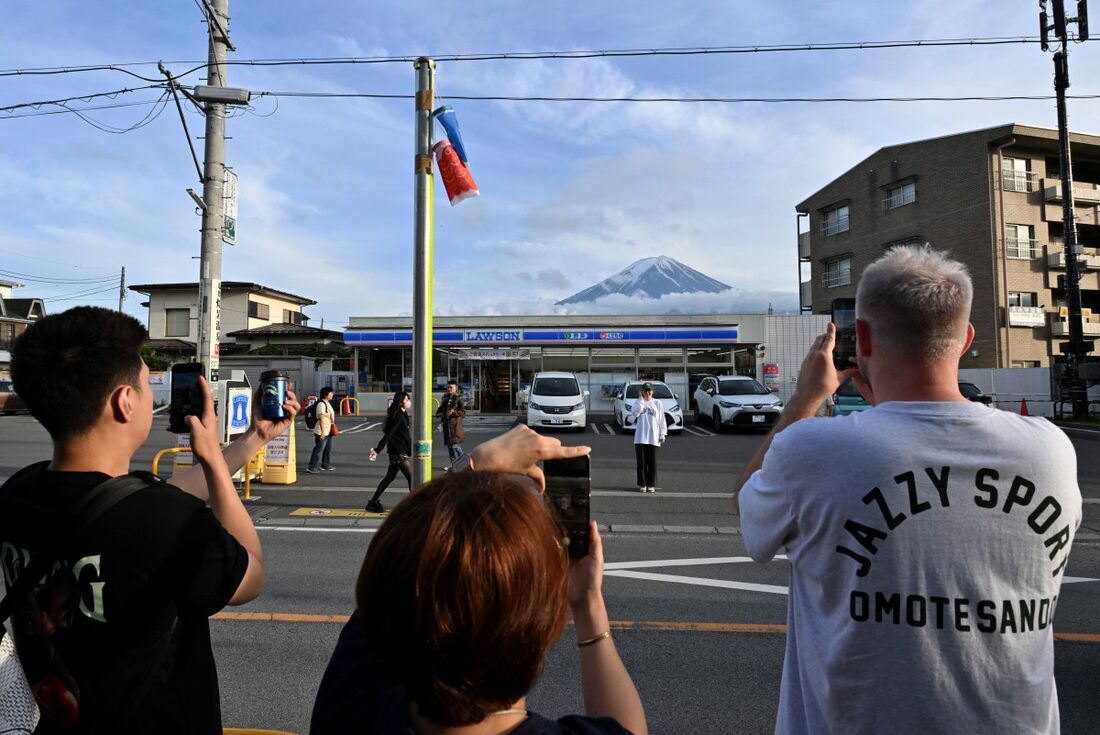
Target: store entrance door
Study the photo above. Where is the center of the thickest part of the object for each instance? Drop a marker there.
(496, 386)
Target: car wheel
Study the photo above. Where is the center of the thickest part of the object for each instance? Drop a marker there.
(716, 417)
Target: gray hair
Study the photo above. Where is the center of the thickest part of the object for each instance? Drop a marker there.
(918, 300)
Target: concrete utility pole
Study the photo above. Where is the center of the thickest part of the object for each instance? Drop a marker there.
(422, 274)
(1078, 347)
(213, 217)
(122, 289)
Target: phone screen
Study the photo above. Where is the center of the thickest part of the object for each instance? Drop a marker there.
(844, 317)
(186, 396)
(569, 492)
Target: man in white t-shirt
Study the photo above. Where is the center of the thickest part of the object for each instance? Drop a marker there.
(927, 537)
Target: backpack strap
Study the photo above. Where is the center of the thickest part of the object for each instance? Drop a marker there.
(95, 503)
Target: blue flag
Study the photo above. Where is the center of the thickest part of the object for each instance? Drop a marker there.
(449, 120)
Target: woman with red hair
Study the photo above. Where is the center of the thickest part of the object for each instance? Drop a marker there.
(463, 591)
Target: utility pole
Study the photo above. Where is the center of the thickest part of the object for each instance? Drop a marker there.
(122, 289)
(422, 274)
(213, 217)
(1078, 347)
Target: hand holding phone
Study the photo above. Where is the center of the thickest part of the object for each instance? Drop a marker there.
(569, 493)
(844, 317)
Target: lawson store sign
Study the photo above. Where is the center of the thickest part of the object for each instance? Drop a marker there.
(674, 335)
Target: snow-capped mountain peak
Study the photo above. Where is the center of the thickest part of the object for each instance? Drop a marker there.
(650, 278)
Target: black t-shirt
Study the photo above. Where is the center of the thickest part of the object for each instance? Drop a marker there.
(356, 696)
(149, 572)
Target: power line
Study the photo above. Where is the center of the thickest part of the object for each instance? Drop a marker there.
(82, 294)
(81, 97)
(722, 100)
(53, 280)
(65, 109)
(566, 54)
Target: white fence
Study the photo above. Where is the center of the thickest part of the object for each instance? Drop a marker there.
(1010, 387)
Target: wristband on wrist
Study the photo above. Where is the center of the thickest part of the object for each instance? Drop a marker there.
(596, 639)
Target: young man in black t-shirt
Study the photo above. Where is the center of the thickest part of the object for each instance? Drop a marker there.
(132, 629)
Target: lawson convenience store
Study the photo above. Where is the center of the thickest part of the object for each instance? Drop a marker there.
(494, 358)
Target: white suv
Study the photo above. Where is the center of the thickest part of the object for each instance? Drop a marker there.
(735, 400)
(556, 401)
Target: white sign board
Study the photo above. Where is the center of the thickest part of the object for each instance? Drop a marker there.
(229, 194)
(278, 449)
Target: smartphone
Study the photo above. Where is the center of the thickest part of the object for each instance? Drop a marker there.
(569, 492)
(844, 317)
(186, 396)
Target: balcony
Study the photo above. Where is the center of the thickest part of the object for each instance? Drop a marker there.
(1060, 328)
(1016, 181)
(806, 293)
(899, 200)
(1058, 260)
(1084, 193)
(1021, 249)
(804, 246)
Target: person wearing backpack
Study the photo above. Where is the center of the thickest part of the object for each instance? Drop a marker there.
(324, 425)
(123, 613)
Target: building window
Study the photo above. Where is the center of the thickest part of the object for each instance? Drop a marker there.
(292, 317)
(904, 242)
(256, 310)
(836, 220)
(1020, 242)
(900, 195)
(1022, 298)
(837, 273)
(1025, 364)
(7, 336)
(177, 322)
(1016, 174)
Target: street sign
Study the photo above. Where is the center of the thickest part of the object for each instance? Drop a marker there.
(229, 194)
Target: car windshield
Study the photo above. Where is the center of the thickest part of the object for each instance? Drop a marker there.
(848, 389)
(555, 387)
(660, 390)
(969, 390)
(741, 388)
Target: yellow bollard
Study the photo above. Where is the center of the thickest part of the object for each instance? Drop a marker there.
(345, 406)
(170, 450)
(256, 460)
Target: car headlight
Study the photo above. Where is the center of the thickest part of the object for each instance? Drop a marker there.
(779, 404)
(535, 406)
(675, 409)
(578, 406)
(727, 404)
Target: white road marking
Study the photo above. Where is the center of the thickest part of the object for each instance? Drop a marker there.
(703, 431)
(681, 562)
(318, 529)
(1075, 580)
(693, 430)
(609, 429)
(702, 582)
(595, 429)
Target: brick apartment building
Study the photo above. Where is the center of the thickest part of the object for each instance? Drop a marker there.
(992, 198)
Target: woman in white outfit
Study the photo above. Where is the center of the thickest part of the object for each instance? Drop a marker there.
(651, 432)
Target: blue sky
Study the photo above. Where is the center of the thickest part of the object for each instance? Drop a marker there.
(570, 192)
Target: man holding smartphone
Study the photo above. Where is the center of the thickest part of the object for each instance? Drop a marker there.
(149, 571)
(926, 537)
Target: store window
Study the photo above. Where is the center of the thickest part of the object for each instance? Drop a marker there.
(1023, 298)
(708, 355)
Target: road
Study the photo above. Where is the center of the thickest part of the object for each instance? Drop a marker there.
(699, 626)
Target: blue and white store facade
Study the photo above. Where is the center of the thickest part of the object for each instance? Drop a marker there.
(494, 358)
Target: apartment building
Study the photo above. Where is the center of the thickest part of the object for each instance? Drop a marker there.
(990, 197)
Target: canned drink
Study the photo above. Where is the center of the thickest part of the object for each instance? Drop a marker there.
(273, 385)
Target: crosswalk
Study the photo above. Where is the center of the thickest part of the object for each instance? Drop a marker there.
(598, 428)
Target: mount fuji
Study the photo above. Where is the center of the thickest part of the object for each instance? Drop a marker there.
(650, 278)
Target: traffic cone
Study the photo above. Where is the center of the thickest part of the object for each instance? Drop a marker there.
(1023, 407)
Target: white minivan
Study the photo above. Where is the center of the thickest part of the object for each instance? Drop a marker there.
(556, 401)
